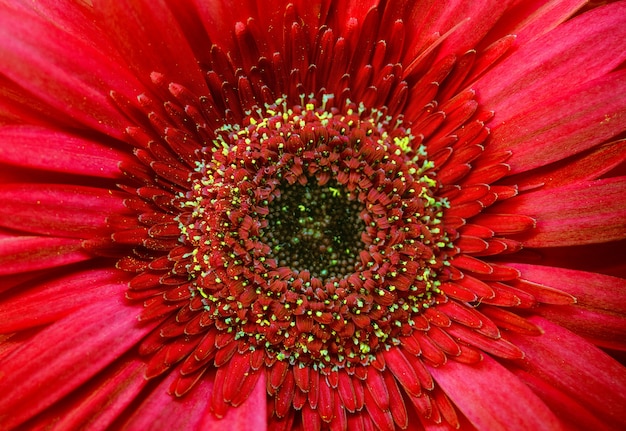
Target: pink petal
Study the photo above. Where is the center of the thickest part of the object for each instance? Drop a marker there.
(65, 355)
(58, 210)
(31, 253)
(54, 299)
(533, 75)
(582, 213)
(59, 152)
(566, 125)
(492, 398)
(572, 365)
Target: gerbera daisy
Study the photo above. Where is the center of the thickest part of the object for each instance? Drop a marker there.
(312, 215)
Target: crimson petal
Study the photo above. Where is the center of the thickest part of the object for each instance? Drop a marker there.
(593, 377)
(484, 393)
(30, 253)
(74, 349)
(577, 216)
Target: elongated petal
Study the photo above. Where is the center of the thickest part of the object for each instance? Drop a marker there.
(58, 210)
(31, 253)
(540, 17)
(601, 327)
(158, 412)
(586, 166)
(58, 69)
(485, 393)
(48, 150)
(567, 125)
(575, 415)
(73, 350)
(590, 289)
(599, 313)
(49, 301)
(483, 15)
(131, 25)
(533, 75)
(98, 404)
(582, 213)
(571, 364)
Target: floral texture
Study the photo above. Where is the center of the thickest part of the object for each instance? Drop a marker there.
(319, 214)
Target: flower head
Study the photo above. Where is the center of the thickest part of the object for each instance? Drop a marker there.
(312, 215)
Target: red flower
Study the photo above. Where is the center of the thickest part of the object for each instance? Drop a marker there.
(336, 215)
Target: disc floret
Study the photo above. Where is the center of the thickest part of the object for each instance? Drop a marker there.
(314, 232)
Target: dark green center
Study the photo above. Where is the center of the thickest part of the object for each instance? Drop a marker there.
(315, 228)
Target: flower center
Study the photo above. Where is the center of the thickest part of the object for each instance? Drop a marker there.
(315, 228)
(313, 233)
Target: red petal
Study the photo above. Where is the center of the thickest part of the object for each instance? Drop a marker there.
(429, 350)
(575, 415)
(497, 347)
(377, 389)
(533, 19)
(492, 398)
(30, 253)
(602, 328)
(59, 152)
(582, 213)
(158, 411)
(505, 224)
(396, 402)
(58, 210)
(571, 364)
(346, 391)
(458, 292)
(325, 402)
(565, 126)
(545, 294)
(139, 22)
(480, 288)
(238, 369)
(399, 365)
(591, 290)
(441, 338)
(59, 69)
(483, 16)
(284, 396)
(508, 320)
(585, 166)
(98, 404)
(65, 355)
(469, 263)
(471, 244)
(446, 408)
(49, 301)
(381, 417)
(311, 420)
(533, 74)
